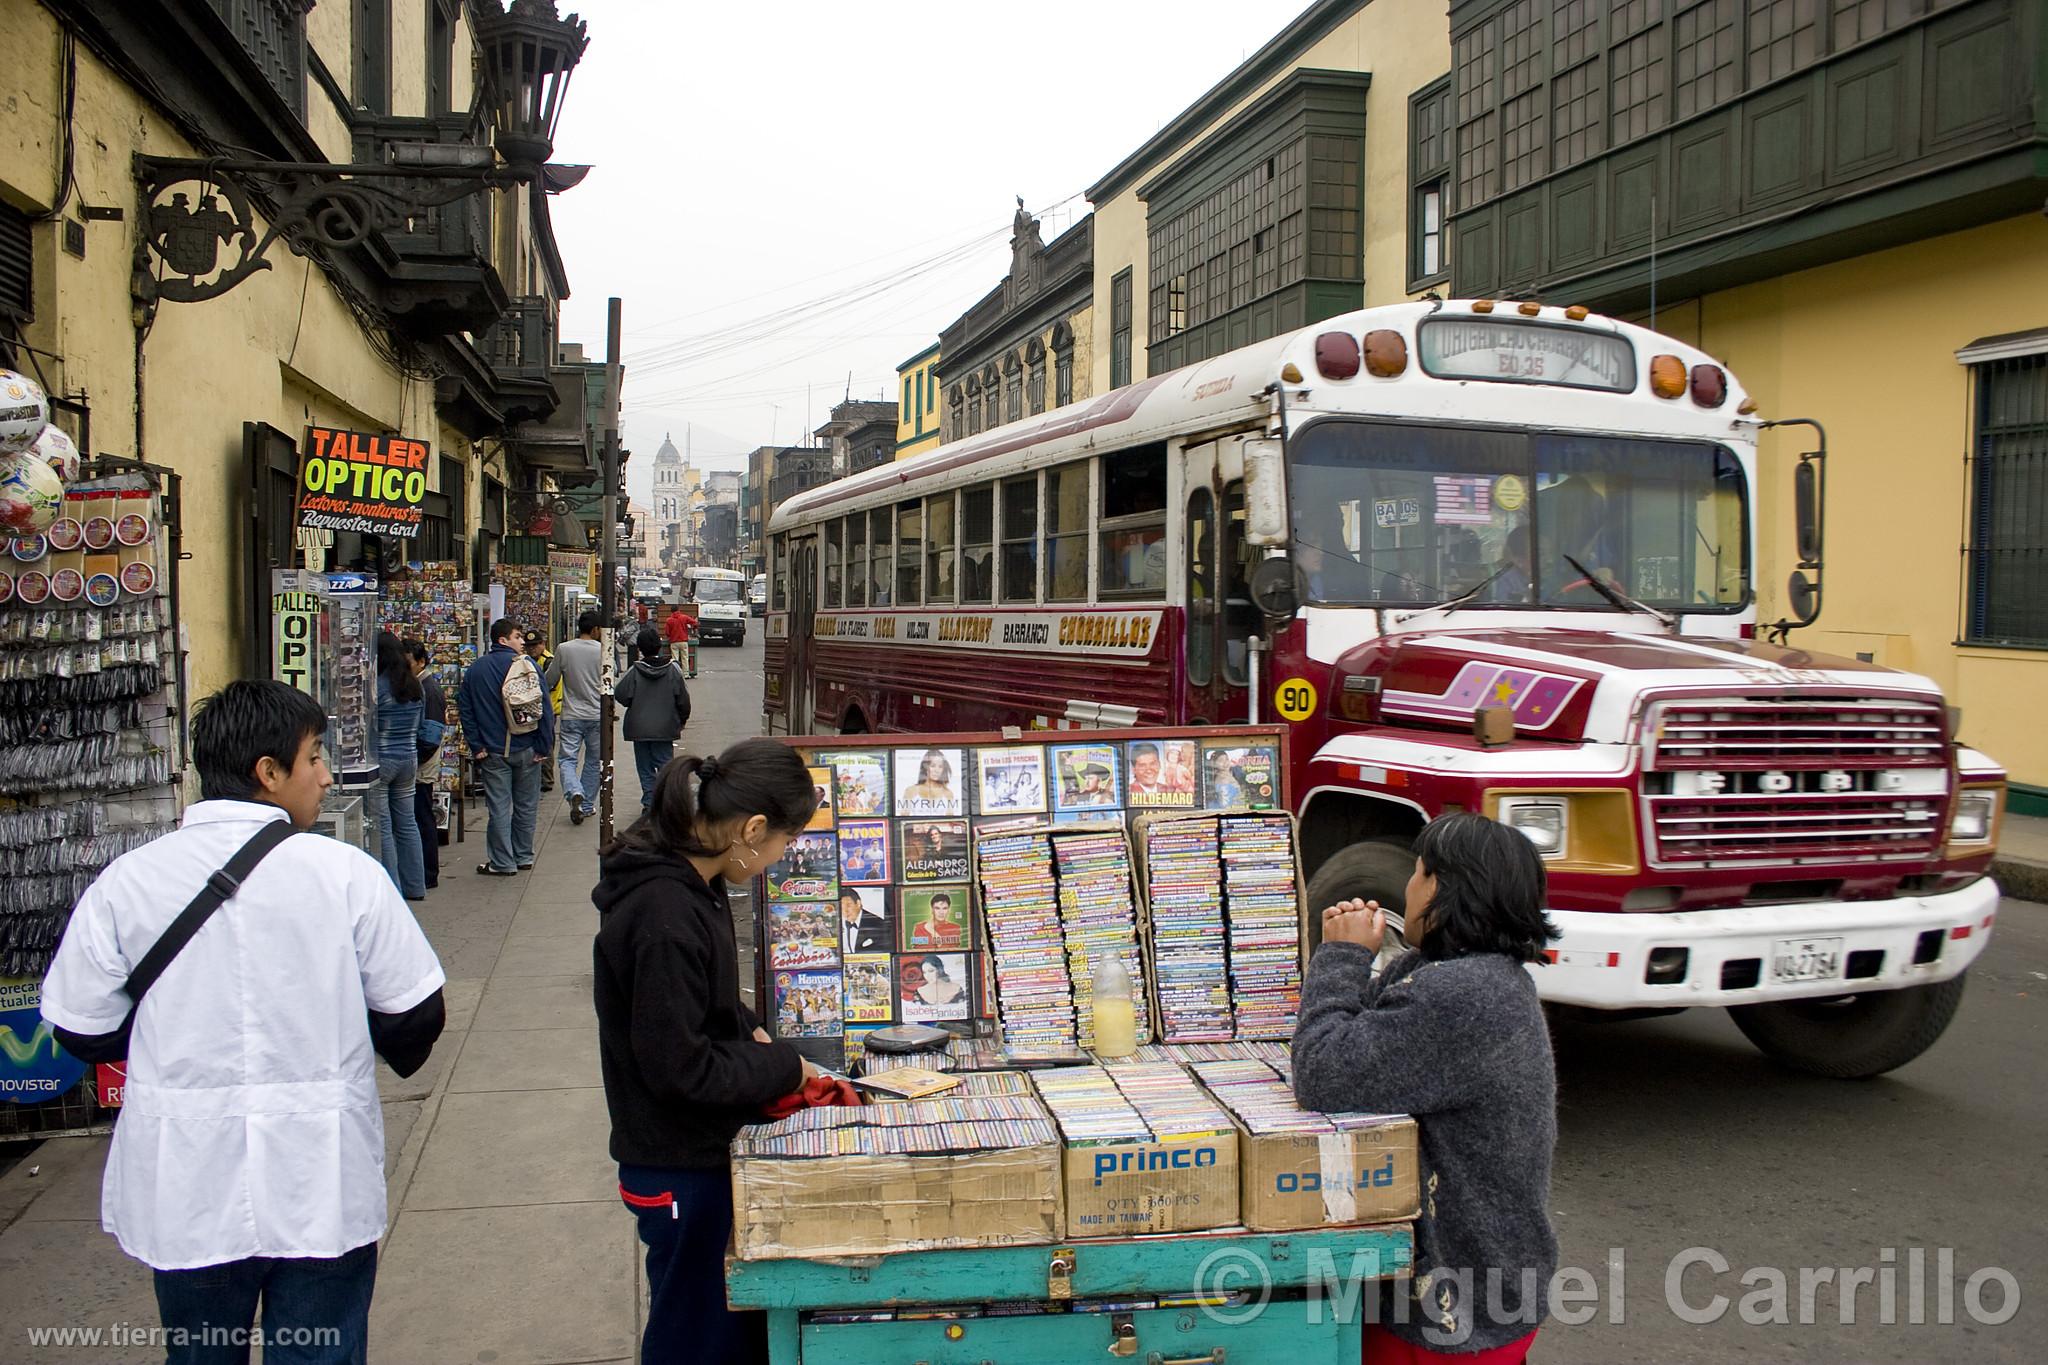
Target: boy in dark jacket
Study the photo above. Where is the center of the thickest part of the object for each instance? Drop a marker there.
(657, 703)
(686, 1064)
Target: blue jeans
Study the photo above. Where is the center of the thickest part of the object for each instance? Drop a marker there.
(685, 1221)
(315, 1311)
(648, 756)
(580, 760)
(398, 827)
(512, 797)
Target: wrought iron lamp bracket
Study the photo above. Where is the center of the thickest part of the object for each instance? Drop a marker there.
(313, 206)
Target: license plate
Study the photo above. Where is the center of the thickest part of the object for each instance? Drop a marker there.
(1806, 959)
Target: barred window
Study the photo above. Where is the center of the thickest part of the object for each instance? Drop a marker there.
(1575, 26)
(1705, 71)
(1521, 48)
(1521, 139)
(1576, 117)
(1120, 329)
(1478, 165)
(1784, 35)
(1856, 20)
(1429, 170)
(2008, 580)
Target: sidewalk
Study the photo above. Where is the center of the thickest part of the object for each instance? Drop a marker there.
(507, 1243)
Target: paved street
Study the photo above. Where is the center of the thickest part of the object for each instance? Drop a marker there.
(509, 1246)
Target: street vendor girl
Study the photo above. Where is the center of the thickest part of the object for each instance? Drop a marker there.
(1452, 1034)
(686, 1063)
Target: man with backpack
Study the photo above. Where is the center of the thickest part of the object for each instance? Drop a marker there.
(510, 728)
(248, 971)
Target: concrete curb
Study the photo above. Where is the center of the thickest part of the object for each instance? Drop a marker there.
(2021, 878)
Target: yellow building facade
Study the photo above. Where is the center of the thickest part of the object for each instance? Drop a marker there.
(917, 404)
(182, 384)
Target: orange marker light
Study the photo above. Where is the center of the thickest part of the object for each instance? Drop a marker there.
(1483, 306)
(1577, 312)
(1530, 309)
(1667, 376)
(1386, 353)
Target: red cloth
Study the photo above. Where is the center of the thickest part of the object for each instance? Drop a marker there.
(679, 627)
(1384, 1348)
(640, 612)
(819, 1092)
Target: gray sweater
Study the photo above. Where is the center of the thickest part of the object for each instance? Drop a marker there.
(576, 667)
(1461, 1045)
(656, 699)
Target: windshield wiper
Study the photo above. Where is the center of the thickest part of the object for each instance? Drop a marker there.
(1452, 604)
(1618, 597)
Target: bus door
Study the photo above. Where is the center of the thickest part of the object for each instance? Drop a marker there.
(1220, 618)
(803, 611)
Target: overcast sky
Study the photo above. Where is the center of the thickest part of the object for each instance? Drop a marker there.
(841, 173)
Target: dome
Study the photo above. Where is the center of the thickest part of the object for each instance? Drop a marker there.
(668, 454)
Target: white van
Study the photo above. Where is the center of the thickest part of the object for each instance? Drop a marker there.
(721, 598)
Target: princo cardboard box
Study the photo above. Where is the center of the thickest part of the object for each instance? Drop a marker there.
(1310, 1180)
(1182, 1178)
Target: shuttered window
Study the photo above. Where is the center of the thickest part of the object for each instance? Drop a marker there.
(2008, 597)
(17, 265)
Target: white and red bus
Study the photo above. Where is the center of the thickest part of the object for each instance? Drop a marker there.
(1479, 557)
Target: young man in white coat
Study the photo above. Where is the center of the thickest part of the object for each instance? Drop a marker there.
(248, 1166)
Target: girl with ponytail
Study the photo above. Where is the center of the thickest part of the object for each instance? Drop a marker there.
(686, 1063)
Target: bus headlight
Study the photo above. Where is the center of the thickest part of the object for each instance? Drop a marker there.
(1542, 820)
(1971, 823)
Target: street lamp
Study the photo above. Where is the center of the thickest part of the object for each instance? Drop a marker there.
(529, 53)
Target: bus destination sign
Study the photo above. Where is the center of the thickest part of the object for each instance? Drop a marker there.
(1526, 353)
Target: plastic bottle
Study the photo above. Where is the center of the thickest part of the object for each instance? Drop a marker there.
(1116, 1015)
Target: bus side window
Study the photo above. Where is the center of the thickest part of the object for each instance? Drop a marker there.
(909, 553)
(1066, 532)
(1201, 587)
(1240, 617)
(778, 580)
(1020, 539)
(938, 548)
(881, 550)
(857, 560)
(978, 544)
(834, 535)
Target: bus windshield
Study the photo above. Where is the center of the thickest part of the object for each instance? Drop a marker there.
(716, 589)
(1390, 514)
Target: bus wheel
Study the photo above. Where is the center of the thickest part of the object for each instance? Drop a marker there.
(1369, 872)
(1851, 1037)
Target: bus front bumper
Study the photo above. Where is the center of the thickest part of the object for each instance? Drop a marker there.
(1754, 954)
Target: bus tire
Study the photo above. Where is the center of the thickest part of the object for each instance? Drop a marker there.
(1852, 1037)
(1372, 871)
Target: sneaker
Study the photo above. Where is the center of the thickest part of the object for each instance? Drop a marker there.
(486, 870)
(526, 867)
(577, 814)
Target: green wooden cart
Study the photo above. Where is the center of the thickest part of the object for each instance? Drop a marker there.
(1172, 1300)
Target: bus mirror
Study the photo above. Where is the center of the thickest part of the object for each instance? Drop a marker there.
(1265, 492)
(1803, 598)
(1273, 589)
(1806, 511)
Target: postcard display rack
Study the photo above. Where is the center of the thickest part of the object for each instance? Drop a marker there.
(972, 881)
(435, 604)
(88, 726)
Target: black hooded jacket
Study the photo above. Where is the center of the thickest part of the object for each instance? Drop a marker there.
(682, 1069)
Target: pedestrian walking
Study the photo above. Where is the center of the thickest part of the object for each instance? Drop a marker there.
(247, 1169)
(537, 650)
(508, 726)
(657, 703)
(433, 735)
(685, 1062)
(680, 630)
(400, 706)
(575, 672)
(1453, 1034)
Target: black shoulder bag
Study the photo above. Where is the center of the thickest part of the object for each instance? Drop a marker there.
(219, 888)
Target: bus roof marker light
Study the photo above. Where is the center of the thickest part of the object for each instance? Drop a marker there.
(1290, 373)
(1709, 386)
(1529, 309)
(1577, 312)
(1482, 305)
(1337, 355)
(1748, 407)
(1386, 353)
(1667, 376)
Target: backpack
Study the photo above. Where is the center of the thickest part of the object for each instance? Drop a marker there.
(522, 698)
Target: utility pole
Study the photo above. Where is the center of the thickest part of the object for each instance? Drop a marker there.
(608, 594)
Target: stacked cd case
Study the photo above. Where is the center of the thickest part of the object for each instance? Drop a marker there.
(1184, 888)
(1098, 916)
(1262, 908)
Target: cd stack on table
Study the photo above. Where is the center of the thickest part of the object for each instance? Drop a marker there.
(1099, 914)
(1264, 1102)
(967, 1123)
(1263, 905)
(1089, 1107)
(1171, 1107)
(1272, 1053)
(1020, 902)
(1183, 883)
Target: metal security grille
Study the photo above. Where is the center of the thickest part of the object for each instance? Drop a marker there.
(2008, 578)
(17, 265)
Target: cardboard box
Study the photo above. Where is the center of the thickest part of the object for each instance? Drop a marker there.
(1129, 1189)
(1310, 1180)
(792, 1207)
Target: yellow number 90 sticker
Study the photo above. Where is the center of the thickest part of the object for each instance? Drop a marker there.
(1295, 699)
